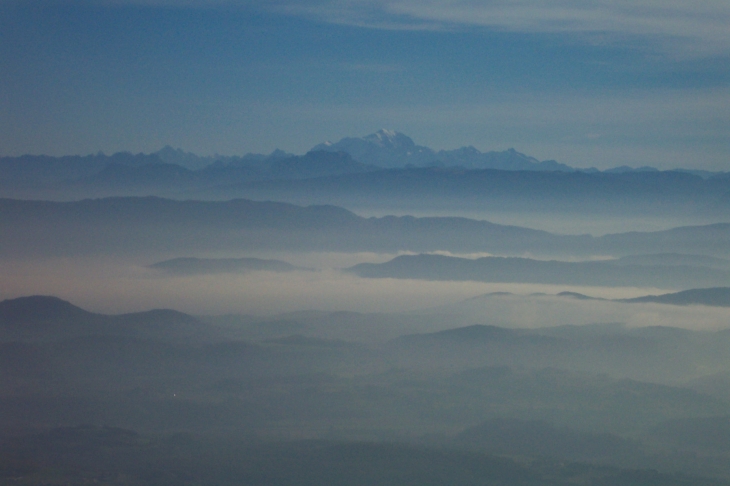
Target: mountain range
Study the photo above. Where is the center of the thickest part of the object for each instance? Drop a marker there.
(390, 149)
(669, 193)
(152, 225)
(383, 170)
(384, 149)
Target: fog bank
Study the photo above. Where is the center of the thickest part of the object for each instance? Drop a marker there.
(109, 285)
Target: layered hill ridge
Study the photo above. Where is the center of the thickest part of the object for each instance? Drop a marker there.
(716, 296)
(48, 317)
(40, 311)
(713, 296)
(626, 193)
(527, 270)
(150, 224)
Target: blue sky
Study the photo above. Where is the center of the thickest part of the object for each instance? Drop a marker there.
(586, 83)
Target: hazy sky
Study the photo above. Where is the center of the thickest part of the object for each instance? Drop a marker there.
(599, 83)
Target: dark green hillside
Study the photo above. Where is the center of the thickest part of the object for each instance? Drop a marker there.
(45, 318)
(541, 439)
(593, 393)
(105, 455)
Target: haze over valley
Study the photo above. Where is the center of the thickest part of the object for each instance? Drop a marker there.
(285, 319)
(217, 268)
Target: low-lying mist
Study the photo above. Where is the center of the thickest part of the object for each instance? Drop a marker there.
(305, 351)
(116, 286)
(525, 310)
(110, 285)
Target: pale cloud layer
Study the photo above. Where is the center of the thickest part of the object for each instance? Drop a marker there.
(683, 28)
(114, 286)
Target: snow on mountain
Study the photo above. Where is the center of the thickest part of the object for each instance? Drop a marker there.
(384, 148)
(391, 149)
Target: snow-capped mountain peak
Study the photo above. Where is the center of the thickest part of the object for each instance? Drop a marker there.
(388, 148)
(390, 139)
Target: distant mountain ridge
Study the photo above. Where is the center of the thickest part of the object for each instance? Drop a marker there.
(43, 170)
(383, 149)
(168, 168)
(134, 225)
(437, 187)
(391, 149)
(384, 170)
